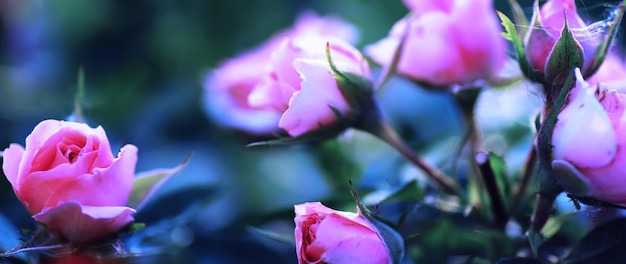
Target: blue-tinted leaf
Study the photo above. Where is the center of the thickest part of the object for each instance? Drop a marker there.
(146, 183)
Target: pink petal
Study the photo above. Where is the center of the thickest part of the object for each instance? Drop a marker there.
(109, 186)
(584, 133)
(81, 224)
(310, 108)
(345, 241)
(11, 161)
(423, 6)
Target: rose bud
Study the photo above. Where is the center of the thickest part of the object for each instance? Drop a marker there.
(546, 46)
(227, 87)
(448, 42)
(309, 93)
(324, 235)
(68, 179)
(589, 143)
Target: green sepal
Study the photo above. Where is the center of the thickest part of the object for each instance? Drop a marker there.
(394, 243)
(566, 55)
(603, 49)
(513, 36)
(323, 133)
(519, 17)
(571, 179)
(148, 182)
(355, 89)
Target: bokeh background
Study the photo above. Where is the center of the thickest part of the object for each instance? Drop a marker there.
(145, 61)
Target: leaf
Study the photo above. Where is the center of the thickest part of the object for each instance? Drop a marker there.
(394, 243)
(519, 17)
(148, 182)
(604, 244)
(512, 35)
(535, 239)
(272, 235)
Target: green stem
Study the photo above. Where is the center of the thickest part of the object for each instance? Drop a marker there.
(373, 122)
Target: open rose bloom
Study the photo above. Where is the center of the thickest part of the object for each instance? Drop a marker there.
(448, 42)
(324, 235)
(228, 87)
(69, 180)
(591, 135)
(303, 88)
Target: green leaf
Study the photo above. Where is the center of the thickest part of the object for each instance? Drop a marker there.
(284, 238)
(498, 164)
(409, 192)
(146, 183)
(566, 55)
(512, 35)
(394, 243)
(604, 244)
(535, 239)
(519, 17)
(606, 42)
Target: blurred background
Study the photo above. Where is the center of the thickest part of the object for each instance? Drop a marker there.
(145, 62)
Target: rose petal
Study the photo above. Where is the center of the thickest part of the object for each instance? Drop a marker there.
(105, 186)
(344, 241)
(79, 223)
(584, 133)
(310, 108)
(11, 162)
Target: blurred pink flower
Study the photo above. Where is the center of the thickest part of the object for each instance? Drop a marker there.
(68, 178)
(324, 235)
(301, 85)
(227, 87)
(591, 135)
(449, 42)
(611, 74)
(541, 39)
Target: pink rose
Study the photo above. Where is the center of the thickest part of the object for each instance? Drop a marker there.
(67, 177)
(541, 39)
(302, 86)
(449, 42)
(591, 135)
(324, 235)
(227, 87)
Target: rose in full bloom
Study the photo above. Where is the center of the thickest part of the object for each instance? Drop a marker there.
(449, 42)
(68, 179)
(302, 86)
(227, 87)
(591, 135)
(542, 38)
(324, 235)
